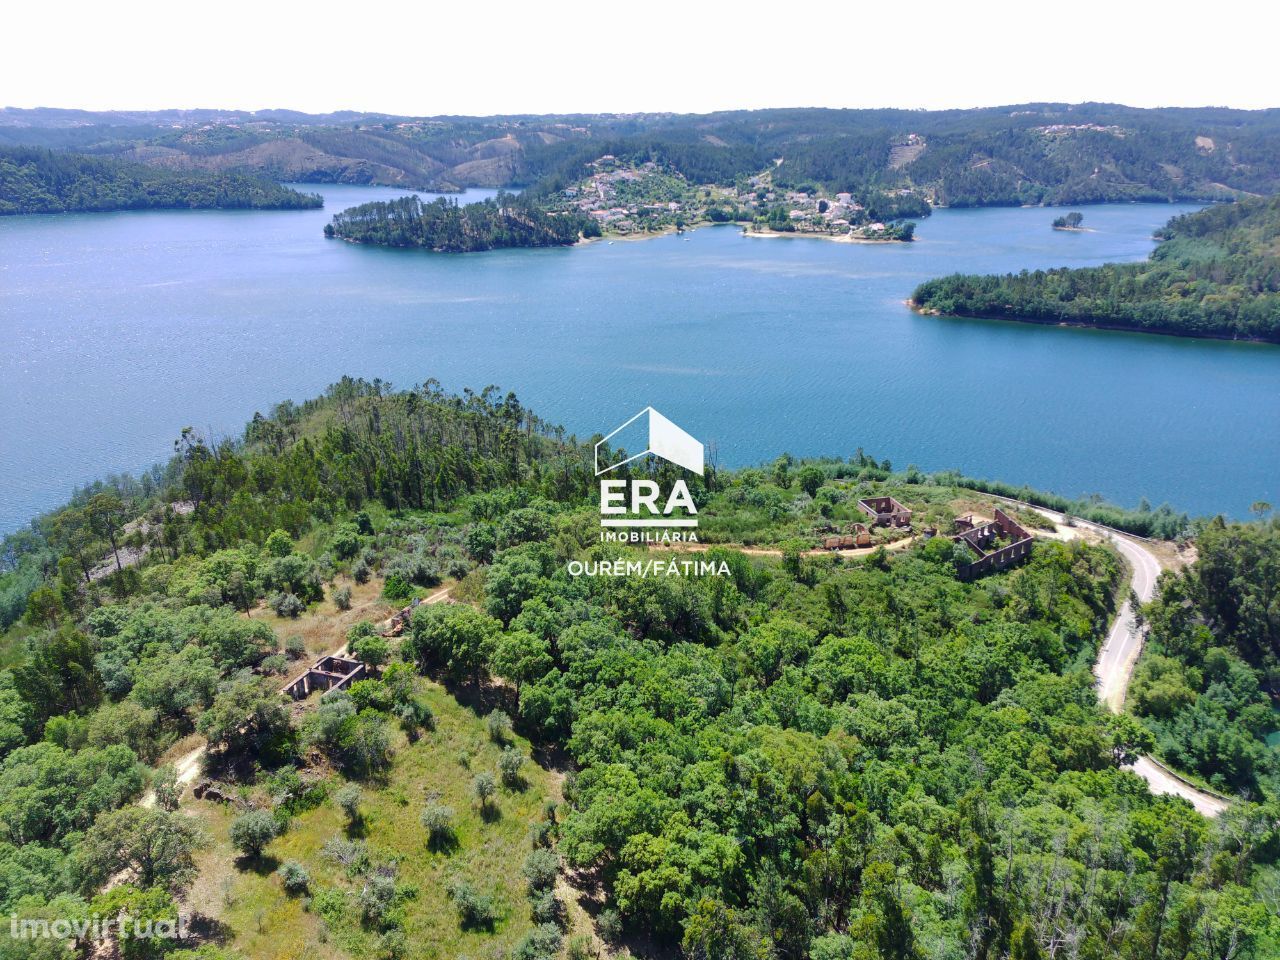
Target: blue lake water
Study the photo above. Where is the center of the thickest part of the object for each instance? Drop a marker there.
(120, 329)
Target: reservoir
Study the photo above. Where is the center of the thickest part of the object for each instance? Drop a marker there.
(118, 330)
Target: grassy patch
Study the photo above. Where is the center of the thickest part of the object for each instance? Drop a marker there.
(262, 922)
(323, 627)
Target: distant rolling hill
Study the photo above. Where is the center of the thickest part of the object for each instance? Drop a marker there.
(1022, 154)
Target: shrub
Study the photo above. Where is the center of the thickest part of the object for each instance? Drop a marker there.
(609, 926)
(252, 831)
(372, 651)
(356, 739)
(294, 878)
(499, 725)
(415, 715)
(348, 800)
(437, 819)
(295, 648)
(360, 572)
(370, 695)
(279, 544)
(833, 946)
(368, 748)
(476, 911)
(376, 898)
(287, 605)
(541, 868)
(396, 588)
(416, 568)
(542, 943)
(328, 725)
(522, 526)
(509, 766)
(540, 833)
(330, 904)
(401, 680)
(394, 945)
(166, 788)
(345, 542)
(342, 598)
(546, 907)
(484, 786)
(352, 855)
(289, 794)
(361, 628)
(297, 574)
(276, 663)
(480, 541)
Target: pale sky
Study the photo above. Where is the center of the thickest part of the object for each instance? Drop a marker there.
(562, 56)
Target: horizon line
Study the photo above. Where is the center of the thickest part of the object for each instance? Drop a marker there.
(635, 113)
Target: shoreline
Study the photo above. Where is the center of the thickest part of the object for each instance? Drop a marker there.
(834, 238)
(1086, 325)
(762, 234)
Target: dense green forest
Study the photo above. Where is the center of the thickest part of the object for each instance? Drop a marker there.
(1035, 153)
(1216, 274)
(45, 181)
(809, 756)
(1209, 680)
(446, 226)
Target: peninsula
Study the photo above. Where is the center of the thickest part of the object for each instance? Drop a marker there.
(341, 672)
(635, 196)
(445, 226)
(47, 181)
(1216, 273)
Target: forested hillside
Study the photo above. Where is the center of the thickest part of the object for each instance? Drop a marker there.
(1216, 274)
(445, 226)
(808, 756)
(1027, 153)
(45, 181)
(1209, 683)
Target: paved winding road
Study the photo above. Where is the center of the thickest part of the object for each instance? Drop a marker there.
(1120, 652)
(1124, 642)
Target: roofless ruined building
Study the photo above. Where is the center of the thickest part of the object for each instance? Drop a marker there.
(994, 545)
(885, 512)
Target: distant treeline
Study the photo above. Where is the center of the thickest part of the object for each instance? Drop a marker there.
(442, 224)
(1217, 274)
(1050, 153)
(45, 181)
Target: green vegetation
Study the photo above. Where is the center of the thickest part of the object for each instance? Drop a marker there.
(1216, 274)
(420, 856)
(807, 756)
(443, 225)
(1210, 674)
(1071, 221)
(44, 181)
